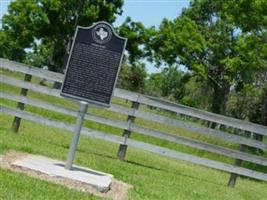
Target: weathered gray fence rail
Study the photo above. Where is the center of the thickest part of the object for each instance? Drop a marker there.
(137, 144)
(129, 125)
(124, 125)
(219, 119)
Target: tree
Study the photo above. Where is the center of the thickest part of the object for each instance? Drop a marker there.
(249, 101)
(212, 43)
(133, 73)
(153, 85)
(51, 23)
(196, 93)
(173, 83)
(169, 83)
(132, 77)
(244, 104)
(39, 55)
(247, 14)
(137, 36)
(9, 48)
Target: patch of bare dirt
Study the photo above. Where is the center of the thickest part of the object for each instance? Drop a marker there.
(118, 189)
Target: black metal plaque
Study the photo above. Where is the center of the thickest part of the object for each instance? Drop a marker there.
(93, 64)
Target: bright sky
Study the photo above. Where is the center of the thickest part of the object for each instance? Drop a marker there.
(149, 12)
(3, 7)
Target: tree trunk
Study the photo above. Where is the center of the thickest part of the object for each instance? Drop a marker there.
(263, 120)
(264, 108)
(219, 99)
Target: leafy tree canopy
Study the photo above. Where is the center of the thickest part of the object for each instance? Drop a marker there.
(51, 23)
(132, 77)
(215, 44)
(137, 36)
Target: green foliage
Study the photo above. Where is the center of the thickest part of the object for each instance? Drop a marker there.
(177, 36)
(247, 14)
(137, 35)
(39, 55)
(9, 48)
(243, 103)
(197, 94)
(132, 77)
(169, 83)
(214, 44)
(153, 85)
(173, 83)
(51, 23)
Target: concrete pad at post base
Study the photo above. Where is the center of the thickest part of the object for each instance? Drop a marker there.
(99, 180)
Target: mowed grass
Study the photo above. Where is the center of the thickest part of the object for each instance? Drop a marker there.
(22, 187)
(152, 176)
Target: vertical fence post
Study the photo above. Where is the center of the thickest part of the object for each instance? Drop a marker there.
(258, 137)
(23, 92)
(127, 133)
(238, 162)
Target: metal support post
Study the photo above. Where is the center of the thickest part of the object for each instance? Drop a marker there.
(76, 134)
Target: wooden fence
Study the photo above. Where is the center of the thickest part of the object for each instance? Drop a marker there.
(234, 131)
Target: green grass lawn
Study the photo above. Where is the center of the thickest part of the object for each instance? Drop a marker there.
(152, 176)
(22, 187)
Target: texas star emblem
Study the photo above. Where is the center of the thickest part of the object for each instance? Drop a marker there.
(102, 34)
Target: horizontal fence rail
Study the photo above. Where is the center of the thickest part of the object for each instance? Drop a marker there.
(151, 101)
(212, 117)
(136, 112)
(137, 144)
(144, 115)
(34, 71)
(200, 129)
(149, 132)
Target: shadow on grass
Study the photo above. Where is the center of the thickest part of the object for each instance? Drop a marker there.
(138, 164)
(146, 166)
(178, 174)
(155, 168)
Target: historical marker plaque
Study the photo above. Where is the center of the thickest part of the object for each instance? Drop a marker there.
(93, 64)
